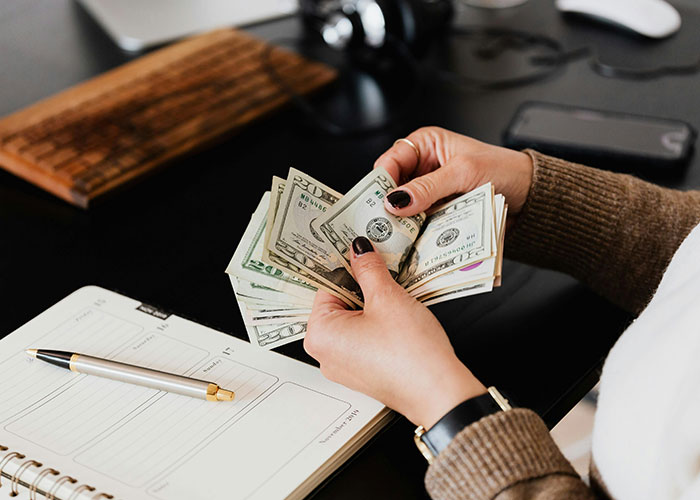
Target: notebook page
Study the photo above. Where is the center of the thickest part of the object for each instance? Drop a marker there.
(134, 442)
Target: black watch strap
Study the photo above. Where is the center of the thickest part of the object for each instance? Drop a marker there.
(441, 434)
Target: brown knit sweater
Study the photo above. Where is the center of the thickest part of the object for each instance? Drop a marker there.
(614, 233)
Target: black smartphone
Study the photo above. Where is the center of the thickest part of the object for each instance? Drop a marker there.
(606, 139)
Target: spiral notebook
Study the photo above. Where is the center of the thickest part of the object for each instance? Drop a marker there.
(74, 437)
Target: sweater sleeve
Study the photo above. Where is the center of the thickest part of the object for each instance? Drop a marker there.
(505, 456)
(613, 232)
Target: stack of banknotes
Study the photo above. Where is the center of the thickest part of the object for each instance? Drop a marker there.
(299, 237)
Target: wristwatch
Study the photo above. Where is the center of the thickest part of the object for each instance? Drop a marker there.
(433, 441)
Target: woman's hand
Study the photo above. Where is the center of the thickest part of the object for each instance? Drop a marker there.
(451, 163)
(394, 350)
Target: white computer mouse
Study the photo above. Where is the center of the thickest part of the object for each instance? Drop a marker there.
(652, 18)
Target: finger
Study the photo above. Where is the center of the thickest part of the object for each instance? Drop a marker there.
(418, 195)
(369, 269)
(401, 160)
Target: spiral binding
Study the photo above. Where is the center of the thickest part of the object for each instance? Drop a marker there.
(50, 493)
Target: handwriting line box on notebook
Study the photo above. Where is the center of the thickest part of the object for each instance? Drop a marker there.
(287, 429)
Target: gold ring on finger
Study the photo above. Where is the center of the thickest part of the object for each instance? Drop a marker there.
(413, 146)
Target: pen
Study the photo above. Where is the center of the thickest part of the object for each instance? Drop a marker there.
(81, 363)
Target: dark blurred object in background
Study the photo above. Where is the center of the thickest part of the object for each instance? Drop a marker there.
(347, 24)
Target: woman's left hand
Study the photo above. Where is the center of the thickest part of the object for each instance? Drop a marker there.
(395, 350)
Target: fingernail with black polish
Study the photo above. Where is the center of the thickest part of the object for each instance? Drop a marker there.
(361, 245)
(399, 199)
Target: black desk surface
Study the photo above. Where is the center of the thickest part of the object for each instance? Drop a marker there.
(166, 241)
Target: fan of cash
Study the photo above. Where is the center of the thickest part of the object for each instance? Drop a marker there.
(299, 237)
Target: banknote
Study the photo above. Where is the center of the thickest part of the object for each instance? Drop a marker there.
(455, 235)
(500, 247)
(299, 236)
(280, 319)
(275, 321)
(260, 306)
(271, 336)
(247, 263)
(473, 273)
(457, 293)
(260, 297)
(270, 258)
(273, 314)
(294, 240)
(276, 191)
(276, 335)
(361, 212)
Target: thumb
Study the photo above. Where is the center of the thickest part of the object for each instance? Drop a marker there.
(369, 269)
(418, 195)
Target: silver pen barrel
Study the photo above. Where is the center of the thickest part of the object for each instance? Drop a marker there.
(146, 377)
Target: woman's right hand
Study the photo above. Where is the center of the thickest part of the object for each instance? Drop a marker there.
(450, 164)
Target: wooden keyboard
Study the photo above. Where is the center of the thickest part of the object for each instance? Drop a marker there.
(91, 138)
